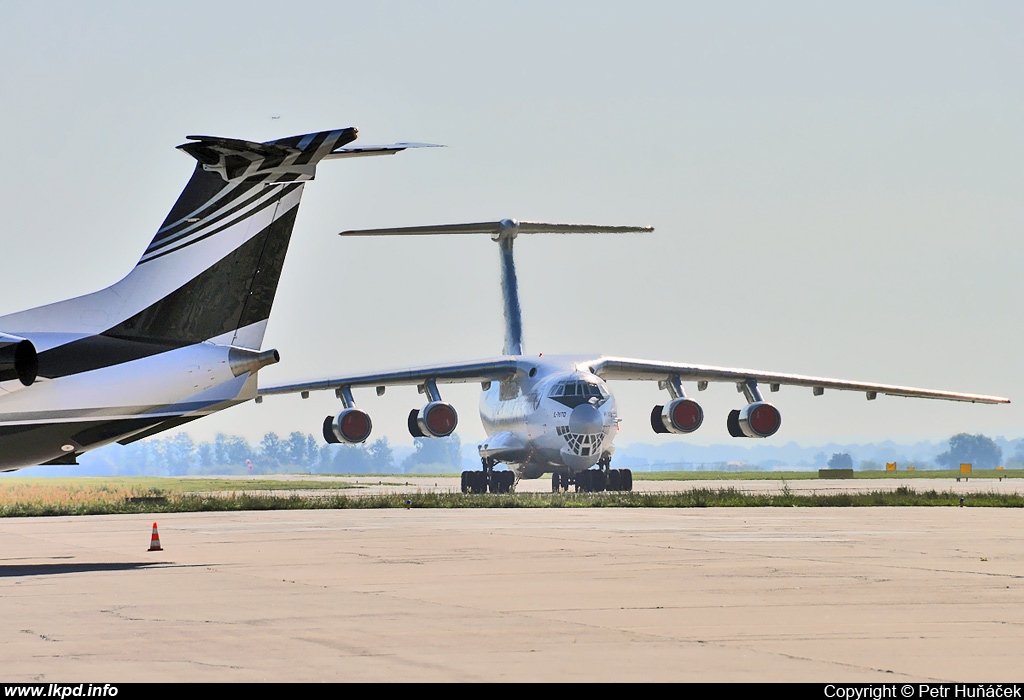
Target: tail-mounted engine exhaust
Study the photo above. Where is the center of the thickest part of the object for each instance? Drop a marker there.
(758, 419)
(437, 419)
(242, 360)
(18, 359)
(680, 415)
(351, 426)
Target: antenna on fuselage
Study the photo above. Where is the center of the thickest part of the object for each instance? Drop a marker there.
(503, 233)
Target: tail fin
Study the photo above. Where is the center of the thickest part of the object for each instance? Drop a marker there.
(211, 271)
(503, 233)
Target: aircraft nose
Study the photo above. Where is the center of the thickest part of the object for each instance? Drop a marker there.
(585, 420)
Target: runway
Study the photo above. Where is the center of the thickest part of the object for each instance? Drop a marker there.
(716, 595)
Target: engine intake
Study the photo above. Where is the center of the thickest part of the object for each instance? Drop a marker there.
(756, 420)
(437, 419)
(18, 359)
(351, 426)
(677, 416)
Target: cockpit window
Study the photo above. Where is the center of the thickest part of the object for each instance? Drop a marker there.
(578, 389)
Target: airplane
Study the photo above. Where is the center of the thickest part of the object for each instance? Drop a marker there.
(556, 414)
(179, 337)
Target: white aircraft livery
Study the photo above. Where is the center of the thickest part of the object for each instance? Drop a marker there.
(556, 414)
(179, 337)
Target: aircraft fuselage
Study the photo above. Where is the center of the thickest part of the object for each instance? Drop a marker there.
(71, 414)
(554, 416)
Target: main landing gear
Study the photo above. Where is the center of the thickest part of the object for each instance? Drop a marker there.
(488, 480)
(604, 478)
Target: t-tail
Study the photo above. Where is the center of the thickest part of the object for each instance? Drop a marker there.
(504, 233)
(212, 269)
(179, 337)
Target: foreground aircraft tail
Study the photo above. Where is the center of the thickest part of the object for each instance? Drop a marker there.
(503, 233)
(211, 271)
(178, 338)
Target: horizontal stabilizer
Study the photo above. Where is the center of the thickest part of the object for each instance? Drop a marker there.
(291, 159)
(391, 149)
(497, 230)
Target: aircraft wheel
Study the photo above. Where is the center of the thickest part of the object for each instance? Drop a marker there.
(477, 482)
(597, 480)
(556, 482)
(614, 479)
(583, 481)
(466, 477)
(627, 480)
(500, 482)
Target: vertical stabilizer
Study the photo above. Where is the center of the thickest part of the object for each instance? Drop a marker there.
(210, 272)
(212, 269)
(510, 296)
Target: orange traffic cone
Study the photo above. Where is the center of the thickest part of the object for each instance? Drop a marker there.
(154, 541)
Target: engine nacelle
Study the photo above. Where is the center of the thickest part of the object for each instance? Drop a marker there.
(351, 426)
(18, 359)
(756, 420)
(677, 416)
(435, 420)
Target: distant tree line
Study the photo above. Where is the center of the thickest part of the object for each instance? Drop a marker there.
(977, 450)
(840, 460)
(300, 452)
(230, 454)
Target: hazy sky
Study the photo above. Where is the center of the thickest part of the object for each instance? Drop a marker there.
(836, 189)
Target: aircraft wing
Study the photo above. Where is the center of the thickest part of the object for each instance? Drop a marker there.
(626, 368)
(495, 369)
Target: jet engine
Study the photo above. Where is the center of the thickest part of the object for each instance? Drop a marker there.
(435, 420)
(677, 416)
(350, 426)
(756, 420)
(18, 359)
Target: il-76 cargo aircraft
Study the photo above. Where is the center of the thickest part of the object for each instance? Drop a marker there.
(180, 336)
(557, 414)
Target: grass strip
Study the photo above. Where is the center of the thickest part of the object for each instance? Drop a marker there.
(109, 502)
